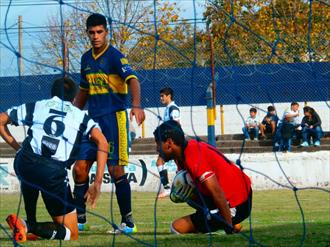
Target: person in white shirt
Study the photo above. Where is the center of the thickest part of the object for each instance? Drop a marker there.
(291, 115)
(288, 125)
(172, 112)
(252, 125)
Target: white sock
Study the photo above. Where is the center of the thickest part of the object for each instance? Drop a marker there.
(160, 168)
(67, 233)
(173, 230)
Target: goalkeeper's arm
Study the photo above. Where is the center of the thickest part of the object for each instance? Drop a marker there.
(181, 194)
(212, 186)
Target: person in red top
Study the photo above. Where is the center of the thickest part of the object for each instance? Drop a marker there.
(223, 196)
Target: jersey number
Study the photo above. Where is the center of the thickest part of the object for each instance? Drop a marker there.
(59, 124)
(53, 127)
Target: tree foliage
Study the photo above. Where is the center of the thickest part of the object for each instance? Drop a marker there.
(269, 31)
(132, 31)
(167, 41)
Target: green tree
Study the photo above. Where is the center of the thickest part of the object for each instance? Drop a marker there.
(131, 31)
(268, 31)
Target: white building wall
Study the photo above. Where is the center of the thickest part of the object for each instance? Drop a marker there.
(301, 169)
(194, 119)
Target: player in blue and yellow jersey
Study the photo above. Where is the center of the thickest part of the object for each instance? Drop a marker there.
(105, 78)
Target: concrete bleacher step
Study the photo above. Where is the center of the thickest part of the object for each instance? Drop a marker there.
(225, 143)
(148, 149)
(6, 151)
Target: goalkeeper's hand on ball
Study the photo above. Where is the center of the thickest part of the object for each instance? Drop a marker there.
(182, 187)
(181, 194)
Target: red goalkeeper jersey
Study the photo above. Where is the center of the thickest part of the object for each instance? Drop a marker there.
(203, 161)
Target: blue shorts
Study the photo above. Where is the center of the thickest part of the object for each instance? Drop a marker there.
(47, 176)
(115, 129)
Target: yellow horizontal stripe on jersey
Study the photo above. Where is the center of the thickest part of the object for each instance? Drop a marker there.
(117, 84)
(98, 83)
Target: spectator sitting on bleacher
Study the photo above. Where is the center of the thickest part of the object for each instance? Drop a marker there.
(252, 125)
(311, 127)
(269, 123)
(287, 128)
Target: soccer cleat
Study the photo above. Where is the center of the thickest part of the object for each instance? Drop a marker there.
(18, 226)
(317, 143)
(32, 237)
(83, 227)
(123, 228)
(126, 229)
(164, 194)
(304, 144)
(237, 228)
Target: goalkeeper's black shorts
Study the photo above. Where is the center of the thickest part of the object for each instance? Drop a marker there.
(213, 221)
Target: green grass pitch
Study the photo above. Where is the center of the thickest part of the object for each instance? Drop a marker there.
(276, 221)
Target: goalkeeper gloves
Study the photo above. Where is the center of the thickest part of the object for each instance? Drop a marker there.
(181, 194)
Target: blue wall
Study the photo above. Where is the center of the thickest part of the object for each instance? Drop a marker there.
(235, 85)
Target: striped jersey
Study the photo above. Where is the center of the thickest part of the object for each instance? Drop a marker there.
(55, 127)
(172, 112)
(105, 77)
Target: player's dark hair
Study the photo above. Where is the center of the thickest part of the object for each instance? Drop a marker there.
(294, 103)
(167, 91)
(253, 110)
(96, 20)
(270, 108)
(170, 129)
(64, 88)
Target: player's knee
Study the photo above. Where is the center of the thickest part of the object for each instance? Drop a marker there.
(120, 180)
(183, 225)
(116, 172)
(80, 173)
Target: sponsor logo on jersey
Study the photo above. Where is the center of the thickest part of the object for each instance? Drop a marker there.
(59, 106)
(123, 61)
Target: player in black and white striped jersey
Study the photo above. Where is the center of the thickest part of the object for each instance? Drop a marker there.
(56, 128)
(172, 112)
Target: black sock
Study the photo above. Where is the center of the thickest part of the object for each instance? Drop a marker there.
(128, 219)
(164, 178)
(123, 193)
(48, 230)
(80, 202)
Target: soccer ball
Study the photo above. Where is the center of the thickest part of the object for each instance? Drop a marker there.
(183, 187)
